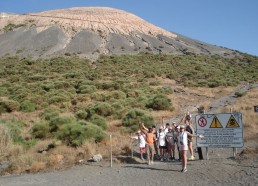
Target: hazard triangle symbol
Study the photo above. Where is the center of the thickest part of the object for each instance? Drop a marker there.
(232, 123)
(215, 123)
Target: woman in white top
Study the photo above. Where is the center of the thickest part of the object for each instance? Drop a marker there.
(183, 146)
(162, 142)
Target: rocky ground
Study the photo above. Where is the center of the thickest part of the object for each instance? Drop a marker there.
(220, 169)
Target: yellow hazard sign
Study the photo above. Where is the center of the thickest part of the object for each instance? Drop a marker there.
(232, 123)
(215, 123)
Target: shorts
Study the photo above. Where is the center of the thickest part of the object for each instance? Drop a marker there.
(162, 147)
(183, 147)
(190, 139)
(171, 146)
(142, 150)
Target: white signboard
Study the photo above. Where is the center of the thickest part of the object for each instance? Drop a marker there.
(220, 130)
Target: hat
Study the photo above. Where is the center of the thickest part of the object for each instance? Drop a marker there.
(160, 127)
(178, 127)
(182, 126)
(138, 132)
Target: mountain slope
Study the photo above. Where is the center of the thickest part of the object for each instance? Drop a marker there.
(90, 31)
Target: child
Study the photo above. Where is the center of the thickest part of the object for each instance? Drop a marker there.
(141, 142)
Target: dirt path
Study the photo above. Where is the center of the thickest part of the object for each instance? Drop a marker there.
(219, 170)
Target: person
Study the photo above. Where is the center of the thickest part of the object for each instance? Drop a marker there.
(141, 142)
(166, 128)
(155, 142)
(176, 132)
(170, 141)
(183, 146)
(162, 143)
(150, 139)
(189, 128)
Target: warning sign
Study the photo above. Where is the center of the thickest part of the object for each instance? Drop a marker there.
(220, 130)
(215, 123)
(202, 122)
(232, 123)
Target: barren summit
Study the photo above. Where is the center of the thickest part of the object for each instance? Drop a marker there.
(91, 31)
(104, 19)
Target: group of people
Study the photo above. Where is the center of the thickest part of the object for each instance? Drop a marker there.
(167, 139)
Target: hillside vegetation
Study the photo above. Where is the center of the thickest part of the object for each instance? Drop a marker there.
(64, 106)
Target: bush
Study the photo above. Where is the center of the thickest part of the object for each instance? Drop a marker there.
(56, 123)
(159, 102)
(134, 117)
(27, 106)
(240, 93)
(81, 114)
(117, 94)
(72, 134)
(101, 108)
(9, 106)
(58, 98)
(86, 89)
(99, 121)
(48, 114)
(40, 130)
(93, 132)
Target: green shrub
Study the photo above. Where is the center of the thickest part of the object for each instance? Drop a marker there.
(40, 130)
(118, 110)
(117, 94)
(9, 106)
(240, 93)
(99, 121)
(94, 132)
(56, 122)
(47, 87)
(86, 89)
(81, 114)
(165, 90)
(58, 98)
(159, 102)
(72, 134)
(48, 114)
(101, 108)
(134, 117)
(27, 106)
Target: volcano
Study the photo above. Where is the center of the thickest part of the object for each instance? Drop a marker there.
(91, 31)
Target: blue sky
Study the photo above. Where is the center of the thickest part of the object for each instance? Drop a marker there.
(228, 23)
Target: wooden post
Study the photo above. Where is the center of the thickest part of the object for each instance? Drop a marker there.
(111, 156)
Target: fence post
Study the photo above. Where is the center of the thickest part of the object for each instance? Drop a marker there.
(131, 147)
(111, 156)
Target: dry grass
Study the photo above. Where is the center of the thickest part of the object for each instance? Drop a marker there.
(245, 105)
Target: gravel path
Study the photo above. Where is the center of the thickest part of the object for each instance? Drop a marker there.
(219, 170)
